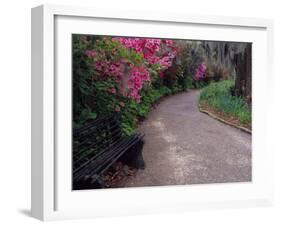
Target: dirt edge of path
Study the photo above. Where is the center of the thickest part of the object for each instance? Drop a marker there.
(201, 109)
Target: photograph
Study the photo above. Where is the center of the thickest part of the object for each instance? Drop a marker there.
(150, 111)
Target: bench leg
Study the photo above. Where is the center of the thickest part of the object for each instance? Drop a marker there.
(134, 156)
(94, 182)
(98, 183)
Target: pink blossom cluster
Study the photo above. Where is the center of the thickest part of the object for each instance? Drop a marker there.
(140, 45)
(139, 75)
(200, 72)
(166, 61)
(151, 49)
(129, 76)
(91, 53)
(108, 68)
(134, 43)
(169, 43)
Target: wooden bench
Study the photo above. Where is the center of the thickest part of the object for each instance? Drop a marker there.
(98, 145)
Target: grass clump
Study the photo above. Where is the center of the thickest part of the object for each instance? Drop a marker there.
(218, 97)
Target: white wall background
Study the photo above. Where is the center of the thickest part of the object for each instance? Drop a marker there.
(15, 112)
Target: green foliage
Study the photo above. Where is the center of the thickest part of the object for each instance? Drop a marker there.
(95, 94)
(91, 92)
(135, 111)
(190, 60)
(219, 96)
(81, 79)
(192, 55)
(92, 95)
(116, 51)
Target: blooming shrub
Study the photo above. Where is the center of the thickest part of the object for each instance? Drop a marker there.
(128, 61)
(126, 75)
(200, 72)
(151, 49)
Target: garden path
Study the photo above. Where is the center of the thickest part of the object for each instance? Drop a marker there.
(185, 146)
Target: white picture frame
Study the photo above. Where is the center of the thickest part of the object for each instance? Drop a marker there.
(52, 197)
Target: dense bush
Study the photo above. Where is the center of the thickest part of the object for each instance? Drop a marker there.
(219, 96)
(127, 75)
(216, 72)
(188, 67)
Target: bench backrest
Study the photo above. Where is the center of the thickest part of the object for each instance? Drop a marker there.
(94, 137)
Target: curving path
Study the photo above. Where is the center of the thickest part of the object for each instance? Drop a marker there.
(185, 146)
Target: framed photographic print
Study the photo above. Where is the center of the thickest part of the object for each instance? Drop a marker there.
(136, 112)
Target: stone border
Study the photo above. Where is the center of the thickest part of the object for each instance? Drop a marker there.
(224, 121)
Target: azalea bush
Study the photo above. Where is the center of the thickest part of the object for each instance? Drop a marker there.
(191, 65)
(127, 75)
(130, 62)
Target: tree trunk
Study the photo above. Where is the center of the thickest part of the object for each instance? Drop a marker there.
(243, 81)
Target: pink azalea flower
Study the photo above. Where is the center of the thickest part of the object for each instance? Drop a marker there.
(130, 78)
(200, 72)
(112, 90)
(91, 53)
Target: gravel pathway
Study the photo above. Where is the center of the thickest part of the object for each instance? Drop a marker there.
(185, 146)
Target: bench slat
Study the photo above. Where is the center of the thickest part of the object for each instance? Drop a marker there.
(97, 146)
(108, 158)
(91, 142)
(97, 155)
